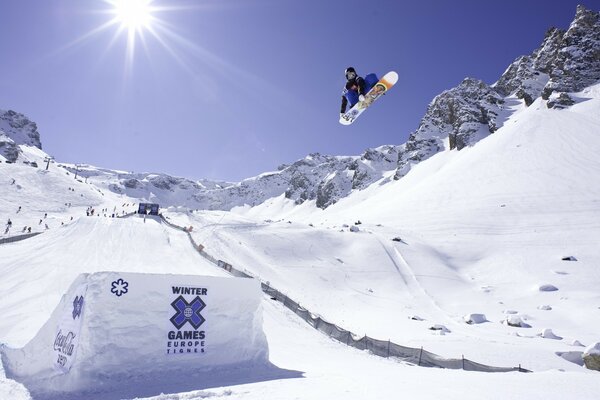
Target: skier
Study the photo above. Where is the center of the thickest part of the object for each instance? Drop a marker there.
(356, 88)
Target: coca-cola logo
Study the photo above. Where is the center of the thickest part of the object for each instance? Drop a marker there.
(64, 343)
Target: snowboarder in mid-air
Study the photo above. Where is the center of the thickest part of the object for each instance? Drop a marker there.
(355, 89)
(361, 93)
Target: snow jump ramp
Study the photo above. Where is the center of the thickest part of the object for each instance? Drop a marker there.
(116, 335)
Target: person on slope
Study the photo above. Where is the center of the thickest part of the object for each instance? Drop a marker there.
(356, 88)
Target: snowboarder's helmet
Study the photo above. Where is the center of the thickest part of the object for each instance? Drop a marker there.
(350, 73)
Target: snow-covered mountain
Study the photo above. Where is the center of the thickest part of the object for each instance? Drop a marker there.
(566, 62)
(322, 178)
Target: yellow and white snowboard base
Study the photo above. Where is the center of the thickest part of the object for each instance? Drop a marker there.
(382, 86)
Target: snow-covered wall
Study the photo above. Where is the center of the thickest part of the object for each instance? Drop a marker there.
(142, 329)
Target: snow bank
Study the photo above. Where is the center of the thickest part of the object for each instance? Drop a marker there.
(515, 321)
(475, 318)
(141, 330)
(547, 333)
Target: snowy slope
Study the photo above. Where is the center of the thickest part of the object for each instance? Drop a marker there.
(317, 368)
(43, 199)
(89, 244)
(482, 230)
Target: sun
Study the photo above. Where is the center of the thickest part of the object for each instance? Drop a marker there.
(145, 25)
(133, 15)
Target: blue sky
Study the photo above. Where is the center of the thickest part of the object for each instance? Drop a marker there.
(228, 89)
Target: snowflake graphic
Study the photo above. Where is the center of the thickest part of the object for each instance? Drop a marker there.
(119, 287)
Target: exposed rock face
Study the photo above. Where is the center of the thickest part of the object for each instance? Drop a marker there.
(8, 149)
(567, 61)
(591, 356)
(528, 75)
(577, 62)
(15, 130)
(462, 116)
(322, 178)
(592, 361)
(131, 183)
(561, 101)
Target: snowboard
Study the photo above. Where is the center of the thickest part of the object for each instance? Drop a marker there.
(382, 86)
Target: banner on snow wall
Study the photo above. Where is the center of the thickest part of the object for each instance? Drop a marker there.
(68, 331)
(155, 321)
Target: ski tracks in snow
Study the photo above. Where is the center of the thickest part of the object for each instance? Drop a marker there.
(410, 280)
(425, 302)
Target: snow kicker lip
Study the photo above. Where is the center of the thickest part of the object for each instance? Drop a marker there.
(165, 322)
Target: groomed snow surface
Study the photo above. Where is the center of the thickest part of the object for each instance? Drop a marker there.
(479, 233)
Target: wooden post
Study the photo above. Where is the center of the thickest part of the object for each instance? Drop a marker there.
(463, 361)
(420, 355)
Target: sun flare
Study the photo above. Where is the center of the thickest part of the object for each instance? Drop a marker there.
(133, 14)
(143, 25)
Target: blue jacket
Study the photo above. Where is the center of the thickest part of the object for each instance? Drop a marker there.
(351, 96)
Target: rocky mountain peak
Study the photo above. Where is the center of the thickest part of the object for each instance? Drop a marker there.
(456, 118)
(16, 129)
(577, 63)
(566, 61)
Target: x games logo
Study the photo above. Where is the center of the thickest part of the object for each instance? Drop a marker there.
(187, 312)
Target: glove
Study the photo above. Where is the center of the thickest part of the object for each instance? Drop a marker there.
(361, 98)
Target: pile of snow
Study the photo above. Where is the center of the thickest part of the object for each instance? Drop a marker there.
(515, 321)
(159, 332)
(475, 318)
(547, 333)
(440, 329)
